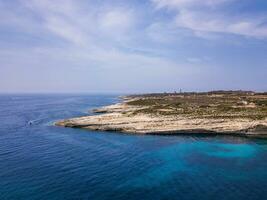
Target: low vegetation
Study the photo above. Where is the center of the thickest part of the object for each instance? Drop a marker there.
(217, 104)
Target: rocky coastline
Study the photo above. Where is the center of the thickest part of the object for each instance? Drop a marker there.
(237, 114)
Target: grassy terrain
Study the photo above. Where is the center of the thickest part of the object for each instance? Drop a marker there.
(229, 104)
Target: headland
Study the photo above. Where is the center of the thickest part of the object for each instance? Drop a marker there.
(241, 113)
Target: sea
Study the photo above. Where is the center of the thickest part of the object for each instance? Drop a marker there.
(41, 161)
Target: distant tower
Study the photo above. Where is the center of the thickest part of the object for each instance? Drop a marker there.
(180, 90)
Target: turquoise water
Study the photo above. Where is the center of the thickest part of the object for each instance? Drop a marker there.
(41, 161)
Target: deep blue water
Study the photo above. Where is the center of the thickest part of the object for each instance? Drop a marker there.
(41, 161)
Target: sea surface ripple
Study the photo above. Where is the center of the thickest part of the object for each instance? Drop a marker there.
(41, 161)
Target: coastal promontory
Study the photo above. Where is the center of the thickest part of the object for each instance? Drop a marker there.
(242, 113)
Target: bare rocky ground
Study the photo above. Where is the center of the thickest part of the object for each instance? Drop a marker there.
(234, 113)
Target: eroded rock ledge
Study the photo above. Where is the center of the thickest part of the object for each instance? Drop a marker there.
(198, 113)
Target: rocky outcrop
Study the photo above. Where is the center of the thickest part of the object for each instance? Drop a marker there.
(122, 118)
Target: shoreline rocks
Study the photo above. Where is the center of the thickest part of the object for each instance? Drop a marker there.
(121, 118)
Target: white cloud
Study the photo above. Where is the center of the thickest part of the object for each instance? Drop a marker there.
(117, 19)
(210, 16)
(61, 18)
(68, 20)
(91, 35)
(66, 30)
(89, 40)
(187, 3)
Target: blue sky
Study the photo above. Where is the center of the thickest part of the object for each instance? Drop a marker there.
(132, 46)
